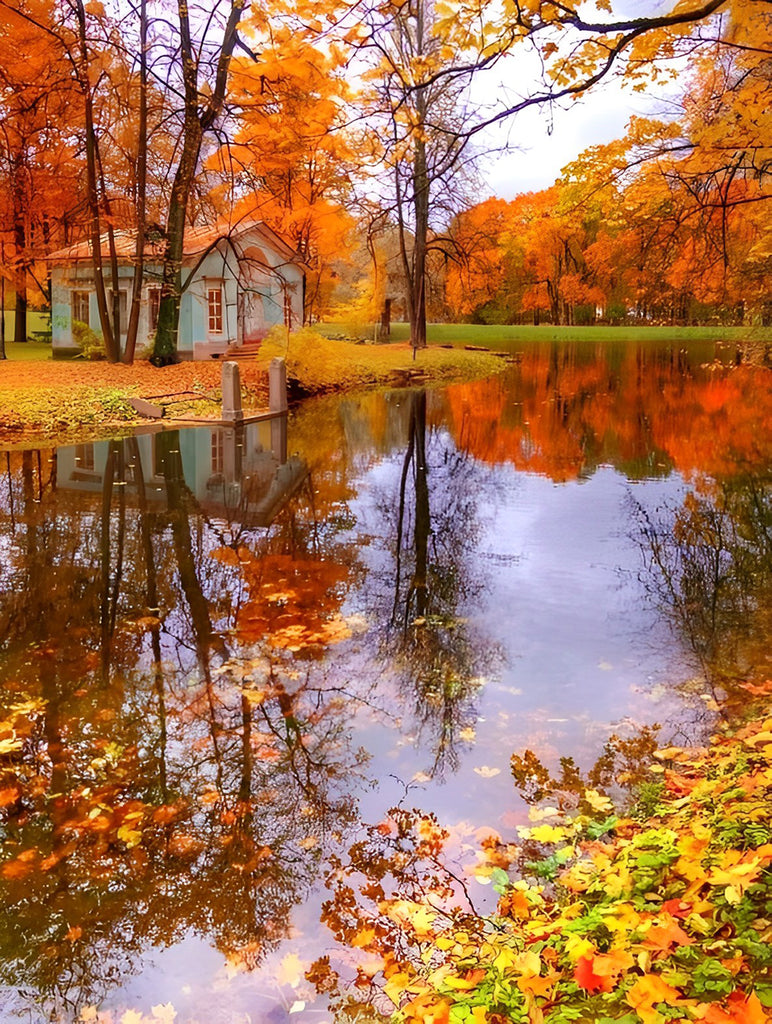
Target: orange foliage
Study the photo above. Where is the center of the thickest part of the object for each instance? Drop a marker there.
(572, 415)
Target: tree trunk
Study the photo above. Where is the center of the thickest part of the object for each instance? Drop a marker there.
(197, 121)
(91, 184)
(20, 254)
(141, 195)
(2, 304)
(421, 207)
(165, 346)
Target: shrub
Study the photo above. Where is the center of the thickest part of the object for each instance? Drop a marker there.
(90, 342)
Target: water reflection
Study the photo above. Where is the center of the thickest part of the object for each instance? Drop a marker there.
(165, 769)
(707, 562)
(426, 585)
(210, 650)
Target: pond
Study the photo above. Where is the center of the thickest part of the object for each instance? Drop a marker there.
(222, 651)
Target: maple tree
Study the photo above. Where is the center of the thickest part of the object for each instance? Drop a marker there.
(38, 162)
(291, 153)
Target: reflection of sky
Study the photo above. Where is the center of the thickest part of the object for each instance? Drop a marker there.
(582, 657)
(583, 654)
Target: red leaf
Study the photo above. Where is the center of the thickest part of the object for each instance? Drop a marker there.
(585, 977)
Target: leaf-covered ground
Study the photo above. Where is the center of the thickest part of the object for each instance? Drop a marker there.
(78, 398)
(75, 398)
(317, 364)
(661, 914)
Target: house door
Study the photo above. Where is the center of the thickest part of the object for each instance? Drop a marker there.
(251, 319)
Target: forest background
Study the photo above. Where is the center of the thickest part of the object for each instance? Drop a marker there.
(361, 132)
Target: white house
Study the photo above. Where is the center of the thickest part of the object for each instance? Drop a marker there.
(238, 281)
(238, 474)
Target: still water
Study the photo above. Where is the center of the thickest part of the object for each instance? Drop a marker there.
(222, 651)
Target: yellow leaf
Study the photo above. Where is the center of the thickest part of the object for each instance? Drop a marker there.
(7, 746)
(130, 836)
(597, 801)
(363, 937)
(648, 991)
(548, 833)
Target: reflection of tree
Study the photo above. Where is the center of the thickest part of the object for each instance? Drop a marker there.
(708, 564)
(147, 788)
(438, 654)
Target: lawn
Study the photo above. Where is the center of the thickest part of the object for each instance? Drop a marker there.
(505, 335)
(29, 351)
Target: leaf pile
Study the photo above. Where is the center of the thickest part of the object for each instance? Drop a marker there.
(62, 397)
(663, 918)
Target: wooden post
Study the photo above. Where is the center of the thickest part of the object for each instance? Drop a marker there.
(386, 319)
(231, 394)
(277, 386)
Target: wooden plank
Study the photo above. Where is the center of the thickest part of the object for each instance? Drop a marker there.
(153, 412)
(177, 394)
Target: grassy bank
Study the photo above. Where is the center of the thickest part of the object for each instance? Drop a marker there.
(496, 335)
(318, 365)
(41, 398)
(28, 352)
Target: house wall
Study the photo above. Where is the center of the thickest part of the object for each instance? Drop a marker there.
(218, 269)
(248, 286)
(263, 291)
(80, 277)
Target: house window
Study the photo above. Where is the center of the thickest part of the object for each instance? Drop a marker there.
(84, 456)
(80, 305)
(287, 310)
(214, 300)
(154, 306)
(218, 451)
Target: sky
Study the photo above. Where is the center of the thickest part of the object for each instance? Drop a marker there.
(540, 150)
(540, 145)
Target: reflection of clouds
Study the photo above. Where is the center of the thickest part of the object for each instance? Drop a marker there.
(183, 806)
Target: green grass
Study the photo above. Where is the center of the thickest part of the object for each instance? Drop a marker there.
(37, 323)
(494, 336)
(29, 351)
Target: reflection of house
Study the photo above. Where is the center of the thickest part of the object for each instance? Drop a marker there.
(237, 283)
(240, 474)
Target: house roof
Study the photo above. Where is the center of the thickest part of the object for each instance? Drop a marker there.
(198, 241)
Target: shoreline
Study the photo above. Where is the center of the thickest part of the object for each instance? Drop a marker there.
(54, 402)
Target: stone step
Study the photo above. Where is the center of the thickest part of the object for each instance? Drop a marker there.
(249, 351)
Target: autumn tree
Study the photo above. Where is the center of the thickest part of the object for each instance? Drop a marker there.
(201, 72)
(426, 56)
(291, 158)
(38, 162)
(416, 137)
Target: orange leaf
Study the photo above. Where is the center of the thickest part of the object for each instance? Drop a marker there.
(646, 992)
(586, 978)
(666, 934)
(746, 1010)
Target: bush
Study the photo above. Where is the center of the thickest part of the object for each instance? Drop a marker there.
(90, 343)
